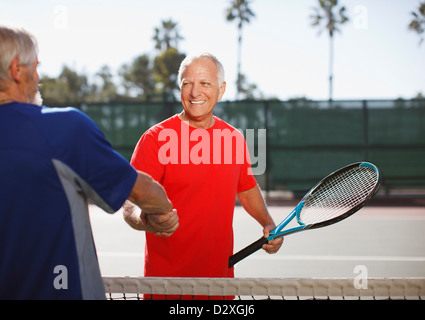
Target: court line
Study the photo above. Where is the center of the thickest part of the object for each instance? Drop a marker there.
(290, 257)
(121, 254)
(338, 258)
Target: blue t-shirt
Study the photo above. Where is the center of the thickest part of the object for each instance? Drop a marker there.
(51, 162)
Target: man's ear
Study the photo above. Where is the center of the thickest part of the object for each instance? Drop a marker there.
(15, 69)
(221, 91)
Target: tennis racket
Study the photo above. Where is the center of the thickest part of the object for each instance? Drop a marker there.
(333, 199)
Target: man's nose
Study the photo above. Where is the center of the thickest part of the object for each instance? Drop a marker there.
(196, 90)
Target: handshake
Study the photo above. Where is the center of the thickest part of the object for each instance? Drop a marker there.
(163, 225)
(149, 209)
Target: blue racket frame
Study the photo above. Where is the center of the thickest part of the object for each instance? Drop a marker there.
(277, 232)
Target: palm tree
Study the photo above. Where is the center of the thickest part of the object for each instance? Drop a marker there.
(418, 22)
(332, 21)
(239, 10)
(167, 36)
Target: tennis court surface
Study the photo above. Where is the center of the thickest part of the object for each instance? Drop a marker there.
(380, 241)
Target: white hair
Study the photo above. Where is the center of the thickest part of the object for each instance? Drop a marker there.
(15, 42)
(189, 59)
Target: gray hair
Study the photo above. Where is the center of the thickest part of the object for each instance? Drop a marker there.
(15, 42)
(189, 59)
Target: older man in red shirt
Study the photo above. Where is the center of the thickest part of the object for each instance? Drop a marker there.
(203, 164)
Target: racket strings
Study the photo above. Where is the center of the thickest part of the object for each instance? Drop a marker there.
(339, 195)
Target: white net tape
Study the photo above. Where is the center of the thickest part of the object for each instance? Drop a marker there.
(266, 288)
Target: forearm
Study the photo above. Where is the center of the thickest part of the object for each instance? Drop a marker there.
(253, 202)
(149, 195)
(149, 208)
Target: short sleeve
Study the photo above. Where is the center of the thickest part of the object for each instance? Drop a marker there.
(246, 180)
(83, 147)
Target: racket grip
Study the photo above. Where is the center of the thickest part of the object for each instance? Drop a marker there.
(247, 251)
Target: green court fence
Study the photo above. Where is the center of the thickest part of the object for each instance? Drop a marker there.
(305, 140)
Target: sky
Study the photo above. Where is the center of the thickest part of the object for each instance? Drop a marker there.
(376, 57)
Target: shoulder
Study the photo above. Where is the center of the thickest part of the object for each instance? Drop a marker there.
(67, 116)
(150, 138)
(46, 115)
(72, 124)
(173, 122)
(69, 131)
(222, 125)
(56, 123)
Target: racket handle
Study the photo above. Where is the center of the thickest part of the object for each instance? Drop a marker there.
(247, 251)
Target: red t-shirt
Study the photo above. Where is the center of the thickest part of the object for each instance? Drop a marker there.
(201, 171)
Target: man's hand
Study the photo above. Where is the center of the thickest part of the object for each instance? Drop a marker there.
(274, 245)
(162, 225)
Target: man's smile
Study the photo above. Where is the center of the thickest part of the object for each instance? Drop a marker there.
(197, 102)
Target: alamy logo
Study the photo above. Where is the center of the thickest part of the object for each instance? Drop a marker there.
(226, 147)
(360, 281)
(61, 280)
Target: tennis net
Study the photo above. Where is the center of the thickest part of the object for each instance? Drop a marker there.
(267, 288)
